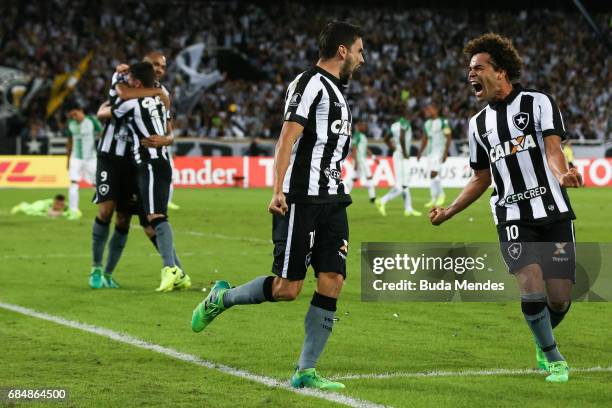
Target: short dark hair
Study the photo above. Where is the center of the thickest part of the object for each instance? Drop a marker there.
(59, 197)
(503, 54)
(144, 72)
(335, 34)
(72, 104)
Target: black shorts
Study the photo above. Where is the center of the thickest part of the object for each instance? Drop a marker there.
(116, 181)
(314, 234)
(552, 246)
(154, 180)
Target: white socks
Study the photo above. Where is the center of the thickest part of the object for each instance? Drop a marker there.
(73, 196)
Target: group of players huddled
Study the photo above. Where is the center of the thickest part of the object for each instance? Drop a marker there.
(133, 172)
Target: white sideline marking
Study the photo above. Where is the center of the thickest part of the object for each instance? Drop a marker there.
(190, 358)
(227, 237)
(464, 373)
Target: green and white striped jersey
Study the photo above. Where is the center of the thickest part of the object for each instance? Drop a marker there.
(396, 130)
(83, 136)
(435, 130)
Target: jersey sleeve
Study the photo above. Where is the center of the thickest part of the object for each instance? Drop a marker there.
(301, 95)
(550, 118)
(116, 80)
(123, 108)
(479, 159)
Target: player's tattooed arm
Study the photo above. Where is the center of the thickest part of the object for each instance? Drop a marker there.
(478, 184)
(289, 135)
(568, 177)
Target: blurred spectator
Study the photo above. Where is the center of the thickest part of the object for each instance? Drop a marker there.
(413, 56)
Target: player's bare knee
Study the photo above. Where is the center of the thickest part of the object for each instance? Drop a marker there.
(149, 231)
(330, 284)
(122, 220)
(558, 305)
(105, 212)
(284, 289)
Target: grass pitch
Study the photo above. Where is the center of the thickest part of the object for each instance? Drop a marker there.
(226, 234)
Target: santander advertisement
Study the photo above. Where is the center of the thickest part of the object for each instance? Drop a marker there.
(201, 172)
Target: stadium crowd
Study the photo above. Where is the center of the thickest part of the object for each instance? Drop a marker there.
(414, 56)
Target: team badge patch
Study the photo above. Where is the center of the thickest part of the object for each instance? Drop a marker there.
(521, 120)
(103, 189)
(515, 250)
(295, 99)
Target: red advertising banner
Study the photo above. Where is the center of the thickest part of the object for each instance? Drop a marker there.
(200, 172)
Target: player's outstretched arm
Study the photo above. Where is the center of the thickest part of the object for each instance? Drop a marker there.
(289, 135)
(568, 177)
(478, 184)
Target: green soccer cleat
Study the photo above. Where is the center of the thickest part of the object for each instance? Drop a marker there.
(309, 378)
(96, 281)
(211, 307)
(109, 282)
(429, 204)
(173, 206)
(559, 372)
(440, 200)
(169, 276)
(183, 282)
(542, 361)
(73, 215)
(414, 213)
(380, 207)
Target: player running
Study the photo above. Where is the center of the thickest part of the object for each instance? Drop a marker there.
(399, 139)
(516, 138)
(437, 142)
(309, 202)
(360, 154)
(81, 150)
(147, 119)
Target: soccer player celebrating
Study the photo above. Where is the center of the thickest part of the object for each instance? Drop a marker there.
(359, 154)
(437, 142)
(147, 118)
(81, 149)
(399, 139)
(309, 202)
(115, 185)
(515, 142)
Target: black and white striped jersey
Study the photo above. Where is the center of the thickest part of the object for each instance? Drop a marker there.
(116, 139)
(314, 100)
(508, 136)
(145, 117)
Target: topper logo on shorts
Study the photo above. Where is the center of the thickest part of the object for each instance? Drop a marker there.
(512, 146)
(560, 250)
(515, 250)
(342, 127)
(525, 195)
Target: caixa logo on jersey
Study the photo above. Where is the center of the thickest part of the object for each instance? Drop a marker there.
(341, 127)
(332, 174)
(512, 146)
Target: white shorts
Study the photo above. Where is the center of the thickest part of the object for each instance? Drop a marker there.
(80, 169)
(435, 163)
(401, 166)
(363, 170)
